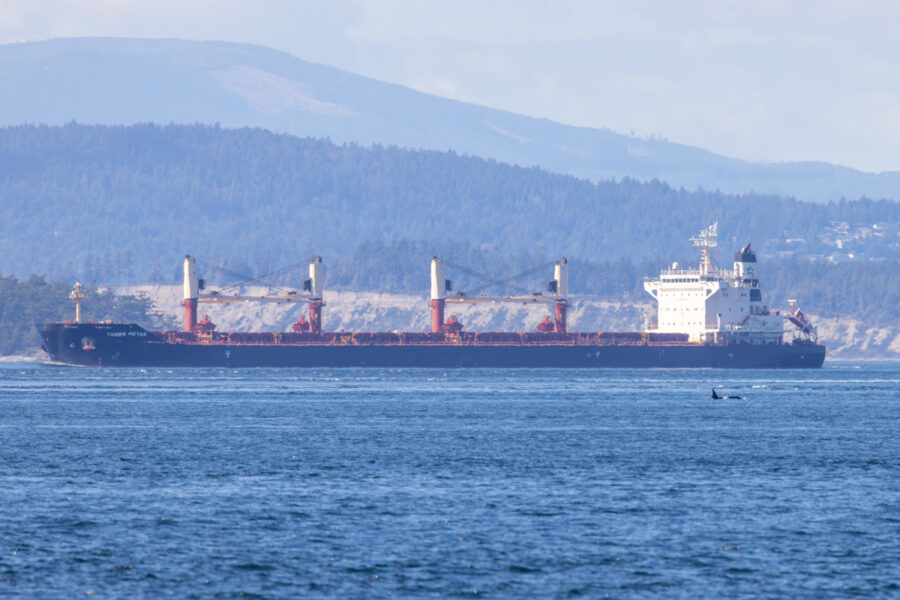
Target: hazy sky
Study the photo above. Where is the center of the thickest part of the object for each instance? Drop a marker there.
(760, 80)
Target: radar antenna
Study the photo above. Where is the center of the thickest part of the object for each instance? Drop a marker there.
(706, 241)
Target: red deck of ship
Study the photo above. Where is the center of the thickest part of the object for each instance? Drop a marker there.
(408, 339)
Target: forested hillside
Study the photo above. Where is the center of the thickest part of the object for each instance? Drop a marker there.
(115, 204)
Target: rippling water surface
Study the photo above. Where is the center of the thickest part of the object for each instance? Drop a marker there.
(421, 483)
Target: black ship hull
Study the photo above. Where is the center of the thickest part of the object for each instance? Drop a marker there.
(131, 346)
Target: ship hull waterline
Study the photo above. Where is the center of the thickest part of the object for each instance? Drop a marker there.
(132, 346)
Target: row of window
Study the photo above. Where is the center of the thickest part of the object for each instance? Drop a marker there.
(682, 294)
(678, 308)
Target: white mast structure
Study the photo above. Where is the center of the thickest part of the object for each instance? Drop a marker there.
(77, 295)
(706, 241)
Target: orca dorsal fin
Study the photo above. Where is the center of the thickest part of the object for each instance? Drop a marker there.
(715, 396)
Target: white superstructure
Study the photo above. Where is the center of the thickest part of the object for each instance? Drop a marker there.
(714, 306)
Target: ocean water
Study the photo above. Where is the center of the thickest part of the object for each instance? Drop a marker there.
(368, 483)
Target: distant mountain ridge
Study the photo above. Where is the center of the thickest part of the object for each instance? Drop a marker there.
(124, 81)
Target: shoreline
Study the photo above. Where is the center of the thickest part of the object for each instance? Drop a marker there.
(22, 358)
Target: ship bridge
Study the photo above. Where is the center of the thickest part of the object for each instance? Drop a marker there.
(713, 305)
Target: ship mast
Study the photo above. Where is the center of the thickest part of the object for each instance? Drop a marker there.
(77, 295)
(706, 241)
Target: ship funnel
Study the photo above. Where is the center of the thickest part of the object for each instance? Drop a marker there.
(745, 266)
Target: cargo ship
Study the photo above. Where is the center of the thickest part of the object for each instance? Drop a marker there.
(706, 318)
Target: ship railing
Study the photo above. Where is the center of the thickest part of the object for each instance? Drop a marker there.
(674, 272)
(693, 273)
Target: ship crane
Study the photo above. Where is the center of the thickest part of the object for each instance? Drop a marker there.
(558, 289)
(313, 289)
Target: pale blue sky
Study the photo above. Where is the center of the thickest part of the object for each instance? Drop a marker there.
(762, 80)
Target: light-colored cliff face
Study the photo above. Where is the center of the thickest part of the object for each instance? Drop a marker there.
(849, 337)
(372, 311)
(845, 337)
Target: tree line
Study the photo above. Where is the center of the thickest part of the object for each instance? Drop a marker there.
(124, 204)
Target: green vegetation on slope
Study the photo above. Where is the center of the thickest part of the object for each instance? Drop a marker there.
(116, 204)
